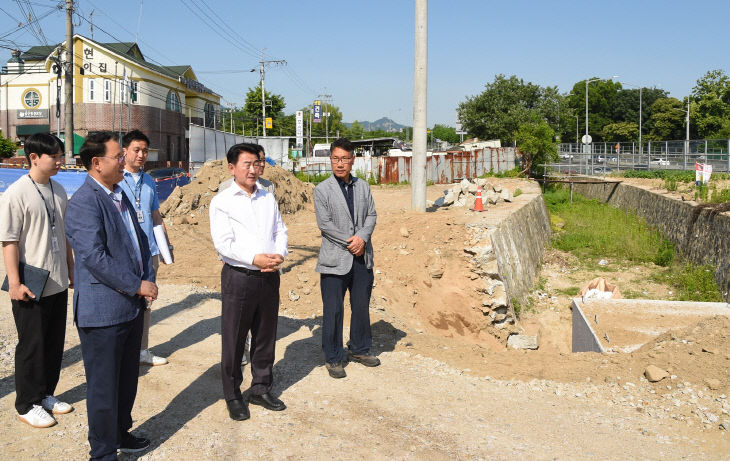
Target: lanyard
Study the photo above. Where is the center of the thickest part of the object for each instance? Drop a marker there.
(136, 189)
(52, 217)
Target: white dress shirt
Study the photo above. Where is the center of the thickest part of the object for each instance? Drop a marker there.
(244, 225)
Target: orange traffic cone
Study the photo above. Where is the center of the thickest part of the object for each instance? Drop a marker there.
(478, 205)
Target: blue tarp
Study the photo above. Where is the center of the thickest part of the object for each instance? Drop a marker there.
(72, 180)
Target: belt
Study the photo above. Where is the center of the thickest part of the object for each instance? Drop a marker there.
(251, 272)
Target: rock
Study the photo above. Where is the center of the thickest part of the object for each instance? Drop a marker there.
(725, 425)
(464, 185)
(472, 188)
(499, 296)
(404, 232)
(469, 200)
(497, 188)
(293, 296)
(480, 182)
(491, 197)
(436, 271)
(306, 290)
(507, 195)
(709, 350)
(603, 262)
(449, 198)
(712, 383)
(655, 374)
(303, 277)
(518, 341)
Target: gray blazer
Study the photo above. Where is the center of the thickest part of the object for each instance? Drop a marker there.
(336, 224)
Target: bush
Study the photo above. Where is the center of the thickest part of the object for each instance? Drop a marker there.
(665, 254)
(7, 147)
(313, 178)
(517, 193)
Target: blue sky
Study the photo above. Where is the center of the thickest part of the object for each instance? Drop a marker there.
(362, 51)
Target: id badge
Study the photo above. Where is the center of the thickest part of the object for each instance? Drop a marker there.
(54, 244)
(140, 216)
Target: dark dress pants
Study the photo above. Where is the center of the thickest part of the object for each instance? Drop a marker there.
(41, 329)
(111, 361)
(250, 301)
(359, 281)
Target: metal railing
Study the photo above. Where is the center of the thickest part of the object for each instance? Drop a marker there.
(605, 157)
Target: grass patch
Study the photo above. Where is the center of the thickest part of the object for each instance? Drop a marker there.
(517, 193)
(592, 230)
(570, 291)
(676, 175)
(513, 173)
(313, 178)
(690, 282)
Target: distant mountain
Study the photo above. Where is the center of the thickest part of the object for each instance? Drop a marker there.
(384, 123)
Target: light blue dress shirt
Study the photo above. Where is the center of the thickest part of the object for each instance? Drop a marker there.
(144, 198)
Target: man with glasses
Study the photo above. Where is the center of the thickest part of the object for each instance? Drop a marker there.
(249, 234)
(141, 190)
(114, 279)
(346, 218)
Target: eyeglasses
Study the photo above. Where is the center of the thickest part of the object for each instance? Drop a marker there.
(340, 159)
(118, 159)
(248, 165)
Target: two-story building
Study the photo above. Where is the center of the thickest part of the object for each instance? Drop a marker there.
(114, 88)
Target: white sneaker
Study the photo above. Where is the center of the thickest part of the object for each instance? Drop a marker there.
(55, 406)
(37, 417)
(148, 358)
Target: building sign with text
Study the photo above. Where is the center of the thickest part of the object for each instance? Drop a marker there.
(300, 128)
(317, 111)
(33, 113)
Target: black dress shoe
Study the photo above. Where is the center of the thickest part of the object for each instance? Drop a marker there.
(132, 444)
(267, 401)
(238, 410)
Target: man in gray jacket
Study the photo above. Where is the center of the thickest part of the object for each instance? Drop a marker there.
(346, 217)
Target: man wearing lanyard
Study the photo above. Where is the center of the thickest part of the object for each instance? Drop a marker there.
(32, 212)
(141, 191)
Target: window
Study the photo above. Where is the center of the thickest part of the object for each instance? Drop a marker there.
(107, 90)
(209, 113)
(31, 98)
(91, 89)
(173, 101)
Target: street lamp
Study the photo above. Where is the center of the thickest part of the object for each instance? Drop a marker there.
(586, 143)
(686, 141)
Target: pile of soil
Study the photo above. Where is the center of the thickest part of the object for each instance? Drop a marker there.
(188, 204)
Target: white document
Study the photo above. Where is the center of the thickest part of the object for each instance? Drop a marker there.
(162, 244)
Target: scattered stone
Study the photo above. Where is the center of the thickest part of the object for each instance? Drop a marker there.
(497, 188)
(603, 262)
(464, 185)
(404, 232)
(307, 291)
(293, 296)
(709, 350)
(518, 341)
(712, 383)
(507, 195)
(436, 271)
(655, 374)
(725, 425)
(449, 197)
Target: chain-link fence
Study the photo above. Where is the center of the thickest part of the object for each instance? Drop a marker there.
(605, 157)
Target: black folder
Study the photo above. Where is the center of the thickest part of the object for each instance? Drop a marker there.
(33, 277)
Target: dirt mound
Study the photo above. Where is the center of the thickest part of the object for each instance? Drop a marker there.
(192, 200)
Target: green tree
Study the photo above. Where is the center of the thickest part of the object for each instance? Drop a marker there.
(602, 96)
(508, 102)
(621, 132)
(252, 108)
(445, 133)
(667, 120)
(710, 105)
(355, 131)
(536, 142)
(7, 147)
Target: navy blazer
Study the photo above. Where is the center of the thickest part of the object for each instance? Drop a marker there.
(106, 271)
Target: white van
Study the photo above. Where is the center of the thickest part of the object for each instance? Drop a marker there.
(321, 150)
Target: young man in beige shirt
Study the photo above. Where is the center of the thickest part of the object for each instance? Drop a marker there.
(32, 212)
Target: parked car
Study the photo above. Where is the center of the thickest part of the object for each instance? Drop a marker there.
(565, 156)
(159, 173)
(659, 161)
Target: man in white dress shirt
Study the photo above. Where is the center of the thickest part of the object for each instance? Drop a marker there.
(250, 236)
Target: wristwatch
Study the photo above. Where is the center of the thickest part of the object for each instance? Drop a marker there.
(170, 247)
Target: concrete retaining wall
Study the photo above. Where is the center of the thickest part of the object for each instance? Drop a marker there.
(519, 242)
(703, 238)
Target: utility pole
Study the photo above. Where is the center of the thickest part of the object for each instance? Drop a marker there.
(325, 97)
(68, 84)
(263, 64)
(420, 87)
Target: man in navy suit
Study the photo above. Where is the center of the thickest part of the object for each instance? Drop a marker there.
(113, 280)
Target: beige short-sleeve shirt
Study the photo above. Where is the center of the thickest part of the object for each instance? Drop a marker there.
(24, 219)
